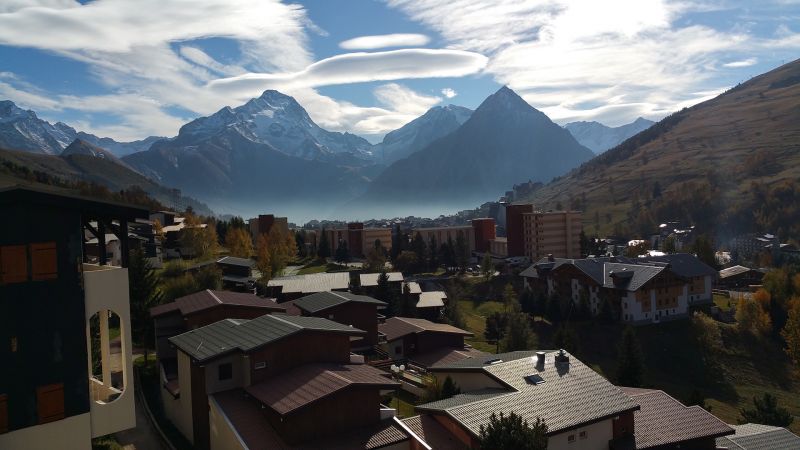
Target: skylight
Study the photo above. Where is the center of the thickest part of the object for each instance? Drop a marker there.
(534, 379)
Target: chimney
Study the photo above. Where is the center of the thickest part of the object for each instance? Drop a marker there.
(540, 358)
(550, 257)
(562, 357)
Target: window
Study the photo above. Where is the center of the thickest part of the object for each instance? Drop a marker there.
(225, 371)
(44, 263)
(50, 402)
(571, 438)
(13, 264)
(261, 365)
(583, 435)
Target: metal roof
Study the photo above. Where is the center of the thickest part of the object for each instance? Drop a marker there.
(203, 300)
(396, 327)
(753, 436)
(663, 420)
(321, 301)
(432, 299)
(371, 279)
(316, 282)
(571, 395)
(308, 383)
(231, 335)
(235, 261)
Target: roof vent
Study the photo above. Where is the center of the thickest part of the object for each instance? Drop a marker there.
(562, 357)
(550, 257)
(534, 379)
(494, 361)
(540, 358)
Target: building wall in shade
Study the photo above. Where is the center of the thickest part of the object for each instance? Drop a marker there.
(359, 240)
(485, 231)
(515, 228)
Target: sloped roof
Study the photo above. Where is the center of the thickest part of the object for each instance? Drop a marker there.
(662, 420)
(308, 383)
(479, 361)
(396, 327)
(432, 433)
(232, 335)
(446, 355)
(684, 265)
(315, 282)
(570, 395)
(753, 436)
(630, 277)
(733, 271)
(371, 279)
(413, 287)
(321, 301)
(432, 299)
(207, 299)
(235, 261)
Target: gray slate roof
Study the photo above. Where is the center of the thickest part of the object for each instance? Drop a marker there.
(316, 282)
(753, 436)
(684, 265)
(232, 335)
(639, 275)
(321, 301)
(572, 394)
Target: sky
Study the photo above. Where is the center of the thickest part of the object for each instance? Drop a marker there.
(134, 68)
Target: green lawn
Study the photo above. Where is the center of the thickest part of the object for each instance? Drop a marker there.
(317, 266)
(403, 402)
(105, 443)
(475, 318)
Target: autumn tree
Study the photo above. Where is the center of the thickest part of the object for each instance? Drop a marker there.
(263, 261)
(751, 317)
(198, 238)
(239, 242)
(791, 331)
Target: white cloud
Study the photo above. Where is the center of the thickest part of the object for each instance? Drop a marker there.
(357, 68)
(385, 40)
(584, 59)
(742, 63)
(449, 93)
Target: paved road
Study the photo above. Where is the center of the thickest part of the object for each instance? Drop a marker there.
(144, 436)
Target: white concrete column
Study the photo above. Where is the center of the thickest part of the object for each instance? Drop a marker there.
(105, 348)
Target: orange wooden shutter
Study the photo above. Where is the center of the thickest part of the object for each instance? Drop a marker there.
(44, 261)
(13, 264)
(50, 402)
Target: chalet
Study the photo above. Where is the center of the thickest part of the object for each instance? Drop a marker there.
(739, 277)
(635, 290)
(369, 281)
(237, 273)
(52, 393)
(359, 311)
(277, 381)
(581, 408)
(427, 304)
(424, 343)
(195, 311)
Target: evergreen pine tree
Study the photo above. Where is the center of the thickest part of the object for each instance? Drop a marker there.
(144, 294)
(630, 363)
(324, 249)
(512, 432)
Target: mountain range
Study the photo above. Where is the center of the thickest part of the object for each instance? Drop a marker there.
(725, 164)
(598, 137)
(505, 141)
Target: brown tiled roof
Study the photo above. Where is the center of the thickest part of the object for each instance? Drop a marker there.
(446, 355)
(308, 383)
(256, 433)
(433, 433)
(568, 395)
(396, 327)
(200, 301)
(663, 420)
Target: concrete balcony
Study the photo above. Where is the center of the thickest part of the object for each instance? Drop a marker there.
(112, 408)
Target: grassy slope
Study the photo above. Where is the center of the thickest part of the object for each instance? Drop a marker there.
(750, 367)
(715, 137)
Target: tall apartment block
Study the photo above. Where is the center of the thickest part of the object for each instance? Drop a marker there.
(58, 386)
(554, 233)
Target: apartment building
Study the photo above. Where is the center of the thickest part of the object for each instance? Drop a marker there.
(515, 228)
(582, 410)
(56, 312)
(554, 233)
(359, 240)
(636, 290)
(278, 382)
(443, 234)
